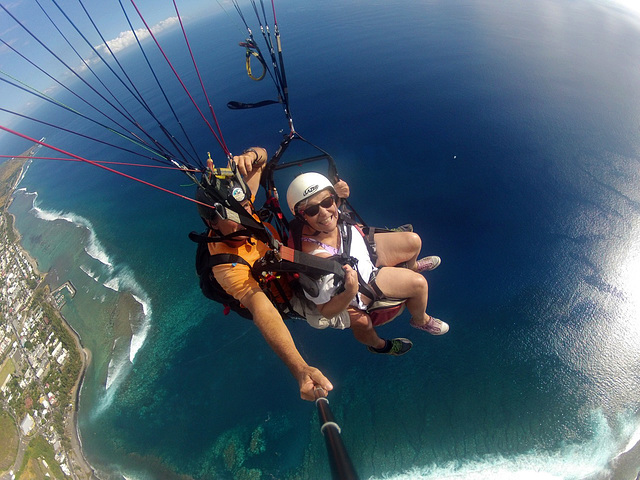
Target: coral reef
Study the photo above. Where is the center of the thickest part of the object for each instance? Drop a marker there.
(257, 443)
(245, 473)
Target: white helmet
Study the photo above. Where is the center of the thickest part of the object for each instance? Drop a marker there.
(305, 186)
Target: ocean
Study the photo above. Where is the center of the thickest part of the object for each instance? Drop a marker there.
(505, 132)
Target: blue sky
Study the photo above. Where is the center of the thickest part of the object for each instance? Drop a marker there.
(108, 16)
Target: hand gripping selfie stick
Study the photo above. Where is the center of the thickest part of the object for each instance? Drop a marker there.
(341, 466)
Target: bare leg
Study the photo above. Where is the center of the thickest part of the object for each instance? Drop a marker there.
(404, 283)
(363, 330)
(394, 248)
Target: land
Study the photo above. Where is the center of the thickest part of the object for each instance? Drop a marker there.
(42, 361)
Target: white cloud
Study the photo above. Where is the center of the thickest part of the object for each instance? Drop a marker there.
(127, 38)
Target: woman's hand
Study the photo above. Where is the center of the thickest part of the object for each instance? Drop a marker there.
(350, 280)
(341, 301)
(342, 189)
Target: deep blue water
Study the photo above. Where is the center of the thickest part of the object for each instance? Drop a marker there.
(506, 133)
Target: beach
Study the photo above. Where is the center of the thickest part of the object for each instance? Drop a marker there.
(79, 463)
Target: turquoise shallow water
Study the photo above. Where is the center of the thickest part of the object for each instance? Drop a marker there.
(503, 135)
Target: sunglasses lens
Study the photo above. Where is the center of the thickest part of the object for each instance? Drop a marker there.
(313, 210)
(327, 202)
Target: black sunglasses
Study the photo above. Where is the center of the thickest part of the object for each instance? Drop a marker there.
(313, 210)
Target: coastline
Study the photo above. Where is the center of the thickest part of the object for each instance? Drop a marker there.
(79, 464)
(81, 468)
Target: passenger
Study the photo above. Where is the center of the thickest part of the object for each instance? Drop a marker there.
(236, 279)
(312, 199)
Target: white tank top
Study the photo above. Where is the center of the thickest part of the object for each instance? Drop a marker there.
(365, 268)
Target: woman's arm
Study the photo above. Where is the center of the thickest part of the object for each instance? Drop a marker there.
(341, 301)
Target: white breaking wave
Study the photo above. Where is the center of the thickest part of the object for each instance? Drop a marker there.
(126, 281)
(25, 169)
(113, 284)
(633, 433)
(119, 279)
(90, 273)
(122, 355)
(119, 366)
(570, 462)
(141, 330)
(94, 248)
(119, 361)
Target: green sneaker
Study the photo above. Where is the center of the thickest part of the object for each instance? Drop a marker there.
(399, 346)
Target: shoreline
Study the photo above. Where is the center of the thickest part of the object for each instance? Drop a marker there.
(71, 420)
(81, 468)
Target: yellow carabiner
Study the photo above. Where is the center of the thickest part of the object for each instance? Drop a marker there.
(249, 72)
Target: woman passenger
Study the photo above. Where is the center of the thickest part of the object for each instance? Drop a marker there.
(312, 199)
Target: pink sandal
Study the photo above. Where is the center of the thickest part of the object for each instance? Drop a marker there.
(434, 326)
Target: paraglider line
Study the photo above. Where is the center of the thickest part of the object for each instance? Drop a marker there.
(96, 164)
(103, 162)
(219, 139)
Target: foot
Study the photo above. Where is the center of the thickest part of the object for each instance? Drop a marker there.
(427, 263)
(433, 326)
(395, 347)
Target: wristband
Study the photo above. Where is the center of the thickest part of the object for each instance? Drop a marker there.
(255, 162)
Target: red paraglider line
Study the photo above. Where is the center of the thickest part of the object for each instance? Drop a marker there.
(96, 164)
(103, 162)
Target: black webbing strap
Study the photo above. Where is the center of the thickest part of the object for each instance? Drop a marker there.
(294, 261)
(204, 238)
(234, 105)
(225, 258)
(363, 287)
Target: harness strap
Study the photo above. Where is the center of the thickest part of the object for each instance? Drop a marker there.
(376, 289)
(295, 261)
(201, 238)
(363, 287)
(368, 236)
(233, 259)
(217, 192)
(223, 258)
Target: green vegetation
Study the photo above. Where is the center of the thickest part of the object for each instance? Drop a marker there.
(7, 368)
(8, 441)
(32, 466)
(9, 172)
(62, 380)
(8, 224)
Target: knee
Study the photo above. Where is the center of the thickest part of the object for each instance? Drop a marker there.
(415, 242)
(419, 284)
(359, 320)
